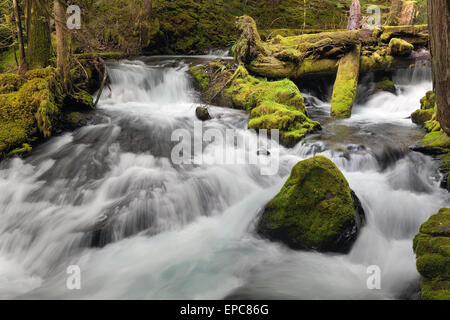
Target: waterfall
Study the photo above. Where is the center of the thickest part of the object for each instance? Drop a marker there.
(108, 199)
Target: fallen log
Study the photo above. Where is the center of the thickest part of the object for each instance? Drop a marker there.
(344, 89)
(318, 54)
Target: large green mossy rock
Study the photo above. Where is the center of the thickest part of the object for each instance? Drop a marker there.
(432, 248)
(272, 105)
(315, 209)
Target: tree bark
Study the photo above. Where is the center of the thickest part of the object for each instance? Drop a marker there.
(39, 45)
(355, 16)
(438, 21)
(23, 66)
(62, 53)
(408, 14)
(145, 20)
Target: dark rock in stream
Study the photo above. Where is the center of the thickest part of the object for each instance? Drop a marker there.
(202, 113)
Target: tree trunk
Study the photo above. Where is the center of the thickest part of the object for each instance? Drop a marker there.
(394, 14)
(23, 66)
(39, 45)
(438, 15)
(62, 53)
(145, 20)
(344, 89)
(355, 16)
(408, 14)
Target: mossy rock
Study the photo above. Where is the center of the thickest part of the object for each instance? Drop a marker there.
(80, 100)
(421, 116)
(315, 209)
(435, 142)
(428, 101)
(385, 85)
(271, 104)
(432, 248)
(400, 48)
(10, 82)
(293, 124)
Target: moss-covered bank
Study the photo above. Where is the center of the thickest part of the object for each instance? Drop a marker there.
(432, 248)
(30, 108)
(436, 142)
(315, 209)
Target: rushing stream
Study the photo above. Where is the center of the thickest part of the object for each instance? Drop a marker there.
(108, 198)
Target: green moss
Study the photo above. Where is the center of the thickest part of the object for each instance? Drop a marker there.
(313, 208)
(428, 101)
(432, 247)
(271, 104)
(10, 82)
(79, 100)
(436, 141)
(421, 116)
(400, 47)
(385, 85)
(30, 112)
(435, 289)
(293, 124)
(26, 148)
(433, 265)
(344, 90)
(248, 92)
(201, 77)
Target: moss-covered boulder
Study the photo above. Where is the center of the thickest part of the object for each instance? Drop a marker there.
(432, 248)
(271, 104)
(428, 101)
(421, 116)
(315, 209)
(400, 48)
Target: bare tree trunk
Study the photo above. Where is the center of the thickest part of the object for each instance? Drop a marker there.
(23, 66)
(394, 14)
(408, 14)
(62, 53)
(438, 13)
(355, 16)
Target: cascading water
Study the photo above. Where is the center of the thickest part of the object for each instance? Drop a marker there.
(109, 199)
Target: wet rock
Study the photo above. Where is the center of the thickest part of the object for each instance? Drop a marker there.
(263, 152)
(202, 113)
(315, 209)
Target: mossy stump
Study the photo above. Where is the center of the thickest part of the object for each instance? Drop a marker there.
(315, 209)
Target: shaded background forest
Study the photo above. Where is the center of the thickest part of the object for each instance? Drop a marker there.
(188, 26)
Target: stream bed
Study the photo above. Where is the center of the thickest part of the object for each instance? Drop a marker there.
(108, 198)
